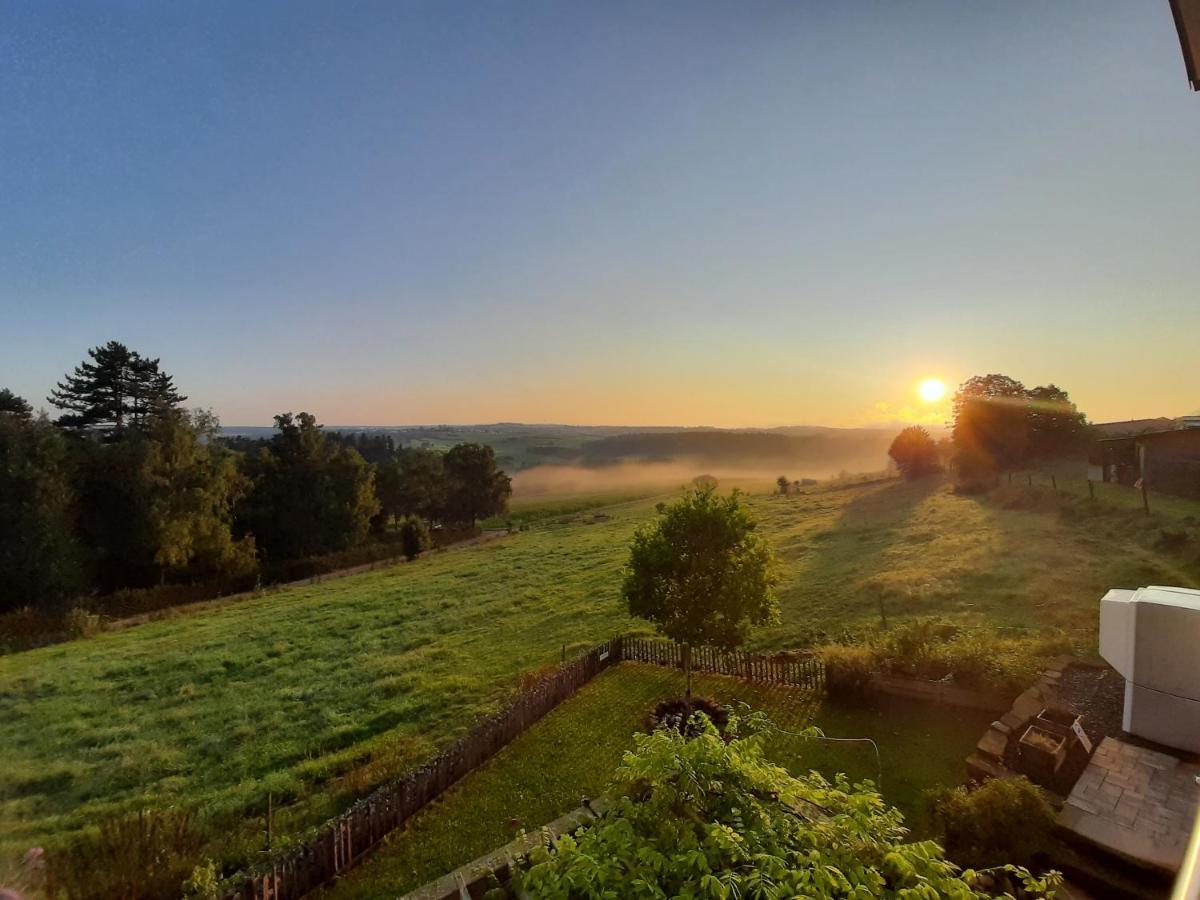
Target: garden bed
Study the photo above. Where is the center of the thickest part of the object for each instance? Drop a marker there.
(574, 750)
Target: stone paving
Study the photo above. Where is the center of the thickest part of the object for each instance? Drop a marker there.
(1136, 802)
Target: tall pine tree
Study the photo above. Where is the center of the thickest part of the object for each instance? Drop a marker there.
(116, 388)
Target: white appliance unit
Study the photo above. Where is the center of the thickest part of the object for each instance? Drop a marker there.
(1152, 637)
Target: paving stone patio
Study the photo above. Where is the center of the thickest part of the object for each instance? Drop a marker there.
(1136, 802)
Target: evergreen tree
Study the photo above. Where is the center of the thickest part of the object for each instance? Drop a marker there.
(114, 389)
(12, 405)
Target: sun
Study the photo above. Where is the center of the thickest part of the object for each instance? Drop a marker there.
(932, 390)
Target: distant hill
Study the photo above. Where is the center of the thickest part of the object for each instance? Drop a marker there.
(521, 446)
(732, 448)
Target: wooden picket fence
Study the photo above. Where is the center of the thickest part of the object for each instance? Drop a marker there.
(342, 843)
(802, 670)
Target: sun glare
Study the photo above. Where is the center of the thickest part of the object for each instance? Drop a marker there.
(932, 390)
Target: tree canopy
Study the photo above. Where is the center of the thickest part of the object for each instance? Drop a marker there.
(475, 487)
(914, 452)
(999, 424)
(310, 494)
(40, 559)
(12, 405)
(713, 817)
(113, 389)
(702, 573)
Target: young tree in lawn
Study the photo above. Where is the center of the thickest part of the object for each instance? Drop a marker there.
(702, 574)
(914, 452)
(414, 537)
(475, 487)
(783, 483)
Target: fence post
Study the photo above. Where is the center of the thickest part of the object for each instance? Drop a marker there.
(1091, 489)
(1054, 483)
(1145, 496)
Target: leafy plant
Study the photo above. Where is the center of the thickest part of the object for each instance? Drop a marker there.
(1004, 819)
(706, 818)
(849, 668)
(702, 574)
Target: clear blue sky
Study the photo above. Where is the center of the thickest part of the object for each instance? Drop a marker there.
(719, 213)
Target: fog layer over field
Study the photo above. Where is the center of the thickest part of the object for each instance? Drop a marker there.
(669, 475)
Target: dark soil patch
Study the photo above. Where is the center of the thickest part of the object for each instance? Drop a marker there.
(676, 714)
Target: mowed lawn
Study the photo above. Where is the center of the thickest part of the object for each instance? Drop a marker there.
(574, 750)
(314, 694)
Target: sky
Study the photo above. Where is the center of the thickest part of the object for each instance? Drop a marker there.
(743, 214)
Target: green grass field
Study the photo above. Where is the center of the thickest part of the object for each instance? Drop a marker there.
(572, 752)
(315, 694)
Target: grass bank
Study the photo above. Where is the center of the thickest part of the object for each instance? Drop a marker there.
(315, 694)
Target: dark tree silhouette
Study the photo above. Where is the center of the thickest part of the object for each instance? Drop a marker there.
(914, 452)
(115, 388)
(475, 487)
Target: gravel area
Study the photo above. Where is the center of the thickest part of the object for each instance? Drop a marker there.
(1098, 695)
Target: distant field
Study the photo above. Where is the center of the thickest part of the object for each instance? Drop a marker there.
(573, 751)
(317, 693)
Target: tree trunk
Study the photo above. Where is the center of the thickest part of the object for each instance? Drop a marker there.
(687, 672)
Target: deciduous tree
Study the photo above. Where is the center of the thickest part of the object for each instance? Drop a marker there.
(40, 560)
(914, 452)
(701, 573)
(309, 494)
(475, 487)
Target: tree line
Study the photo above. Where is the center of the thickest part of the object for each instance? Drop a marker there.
(999, 425)
(127, 489)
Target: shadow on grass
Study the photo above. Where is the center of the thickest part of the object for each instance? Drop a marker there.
(834, 560)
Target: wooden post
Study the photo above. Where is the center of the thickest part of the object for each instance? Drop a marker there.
(270, 815)
(1054, 483)
(1091, 489)
(1145, 497)
(1010, 478)
(1030, 477)
(564, 654)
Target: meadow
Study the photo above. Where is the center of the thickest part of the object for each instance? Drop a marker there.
(315, 694)
(573, 751)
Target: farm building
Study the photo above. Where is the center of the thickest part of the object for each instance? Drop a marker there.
(1168, 461)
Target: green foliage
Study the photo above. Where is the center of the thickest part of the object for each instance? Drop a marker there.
(1002, 820)
(117, 388)
(932, 649)
(310, 494)
(706, 817)
(159, 504)
(414, 537)
(1000, 425)
(475, 487)
(40, 560)
(12, 405)
(914, 452)
(849, 669)
(574, 750)
(702, 573)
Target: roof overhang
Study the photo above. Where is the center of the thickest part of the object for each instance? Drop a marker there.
(1187, 23)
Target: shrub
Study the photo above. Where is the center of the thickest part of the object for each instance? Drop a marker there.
(1002, 820)
(414, 537)
(849, 669)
